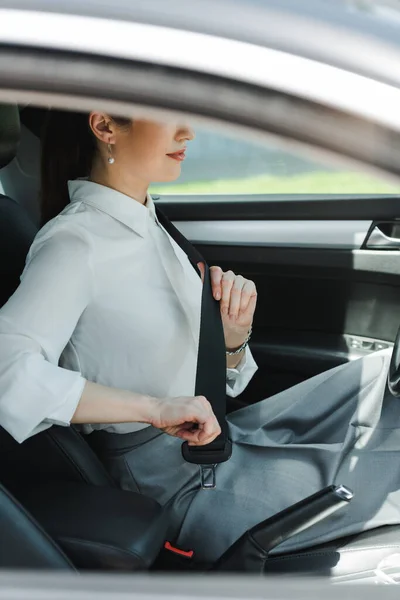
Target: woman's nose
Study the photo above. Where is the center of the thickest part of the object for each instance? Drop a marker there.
(185, 133)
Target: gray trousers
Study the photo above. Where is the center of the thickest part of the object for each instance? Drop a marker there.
(339, 427)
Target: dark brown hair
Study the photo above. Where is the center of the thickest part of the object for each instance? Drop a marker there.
(68, 148)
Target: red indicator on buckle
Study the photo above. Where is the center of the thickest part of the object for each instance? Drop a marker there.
(187, 554)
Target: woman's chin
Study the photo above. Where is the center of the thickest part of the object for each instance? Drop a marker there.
(167, 178)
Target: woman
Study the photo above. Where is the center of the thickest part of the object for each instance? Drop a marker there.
(103, 332)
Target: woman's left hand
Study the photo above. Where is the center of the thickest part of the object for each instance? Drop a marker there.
(238, 299)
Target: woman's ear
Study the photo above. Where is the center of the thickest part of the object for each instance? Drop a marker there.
(102, 127)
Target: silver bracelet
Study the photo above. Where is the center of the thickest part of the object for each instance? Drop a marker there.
(242, 347)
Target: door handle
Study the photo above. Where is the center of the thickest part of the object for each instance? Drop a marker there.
(378, 239)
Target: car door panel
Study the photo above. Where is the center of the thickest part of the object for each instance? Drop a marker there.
(324, 296)
(279, 234)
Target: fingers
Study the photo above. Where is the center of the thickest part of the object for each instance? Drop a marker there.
(188, 418)
(251, 307)
(227, 282)
(198, 437)
(209, 430)
(216, 277)
(234, 291)
(249, 293)
(205, 434)
(207, 425)
(236, 296)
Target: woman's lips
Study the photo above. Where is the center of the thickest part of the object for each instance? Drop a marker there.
(179, 156)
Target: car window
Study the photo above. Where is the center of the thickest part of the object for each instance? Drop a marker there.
(218, 164)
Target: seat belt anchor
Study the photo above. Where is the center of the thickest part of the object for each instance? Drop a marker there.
(205, 472)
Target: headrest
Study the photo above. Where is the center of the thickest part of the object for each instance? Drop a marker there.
(9, 133)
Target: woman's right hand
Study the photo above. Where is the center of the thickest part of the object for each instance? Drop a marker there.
(189, 418)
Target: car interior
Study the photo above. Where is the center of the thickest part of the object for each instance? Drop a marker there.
(59, 507)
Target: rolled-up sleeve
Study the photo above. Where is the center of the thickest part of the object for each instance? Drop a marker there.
(237, 379)
(35, 326)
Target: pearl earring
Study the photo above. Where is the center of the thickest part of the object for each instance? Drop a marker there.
(111, 159)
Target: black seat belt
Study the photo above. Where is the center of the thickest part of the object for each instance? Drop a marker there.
(211, 365)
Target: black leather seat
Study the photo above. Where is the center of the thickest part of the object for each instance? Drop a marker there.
(110, 530)
(99, 529)
(16, 228)
(63, 483)
(14, 225)
(24, 544)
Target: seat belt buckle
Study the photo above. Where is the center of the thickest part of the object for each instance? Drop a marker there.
(207, 482)
(207, 457)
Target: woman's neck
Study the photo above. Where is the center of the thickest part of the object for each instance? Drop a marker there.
(127, 184)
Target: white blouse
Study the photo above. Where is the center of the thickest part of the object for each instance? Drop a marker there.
(106, 296)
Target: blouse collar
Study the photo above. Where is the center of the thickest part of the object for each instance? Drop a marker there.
(121, 207)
